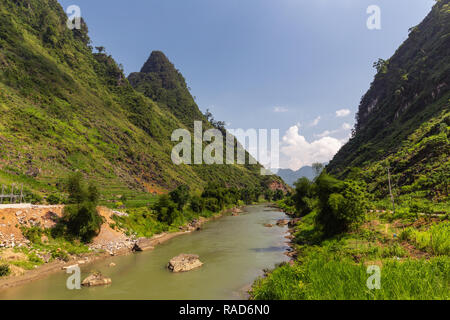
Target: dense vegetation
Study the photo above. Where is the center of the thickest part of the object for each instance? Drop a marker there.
(80, 219)
(403, 121)
(343, 227)
(64, 108)
(337, 237)
(182, 206)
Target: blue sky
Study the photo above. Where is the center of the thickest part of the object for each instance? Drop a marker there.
(283, 64)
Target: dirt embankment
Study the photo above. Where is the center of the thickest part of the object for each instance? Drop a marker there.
(12, 217)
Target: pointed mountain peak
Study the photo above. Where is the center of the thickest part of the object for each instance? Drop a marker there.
(157, 62)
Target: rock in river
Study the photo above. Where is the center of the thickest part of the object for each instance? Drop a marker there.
(143, 244)
(184, 262)
(96, 279)
(282, 222)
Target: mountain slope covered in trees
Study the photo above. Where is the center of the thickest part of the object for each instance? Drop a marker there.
(65, 108)
(403, 120)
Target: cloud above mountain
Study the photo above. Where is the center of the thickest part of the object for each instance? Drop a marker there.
(297, 152)
(342, 113)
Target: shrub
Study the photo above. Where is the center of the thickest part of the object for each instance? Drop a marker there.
(303, 196)
(278, 195)
(61, 255)
(33, 234)
(4, 270)
(197, 204)
(80, 219)
(54, 199)
(342, 204)
(395, 250)
(212, 204)
(35, 198)
(269, 195)
(166, 209)
(180, 196)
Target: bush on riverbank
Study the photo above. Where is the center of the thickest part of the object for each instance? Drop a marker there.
(80, 219)
(4, 270)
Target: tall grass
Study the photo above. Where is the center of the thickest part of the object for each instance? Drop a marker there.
(326, 278)
(436, 239)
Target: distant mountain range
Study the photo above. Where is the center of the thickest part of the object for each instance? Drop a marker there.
(290, 176)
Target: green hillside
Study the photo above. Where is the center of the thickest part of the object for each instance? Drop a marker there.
(404, 119)
(161, 82)
(65, 108)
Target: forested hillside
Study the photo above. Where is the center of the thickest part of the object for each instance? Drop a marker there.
(64, 108)
(403, 120)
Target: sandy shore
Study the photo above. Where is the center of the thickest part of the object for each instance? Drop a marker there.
(89, 258)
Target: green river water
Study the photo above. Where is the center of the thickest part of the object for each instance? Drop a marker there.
(234, 251)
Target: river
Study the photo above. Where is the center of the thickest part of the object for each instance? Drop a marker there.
(234, 251)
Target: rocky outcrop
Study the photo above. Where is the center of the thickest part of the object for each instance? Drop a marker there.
(96, 279)
(278, 185)
(184, 262)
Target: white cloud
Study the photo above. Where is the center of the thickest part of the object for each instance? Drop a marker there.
(342, 113)
(346, 126)
(298, 152)
(315, 121)
(326, 133)
(280, 109)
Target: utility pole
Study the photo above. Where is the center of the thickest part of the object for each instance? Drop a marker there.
(390, 189)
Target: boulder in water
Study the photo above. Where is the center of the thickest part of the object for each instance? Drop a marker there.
(96, 279)
(184, 262)
(282, 222)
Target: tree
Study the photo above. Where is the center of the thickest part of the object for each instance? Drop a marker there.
(269, 195)
(74, 186)
(100, 49)
(278, 195)
(197, 204)
(342, 204)
(209, 115)
(381, 65)
(82, 221)
(80, 218)
(180, 196)
(303, 196)
(166, 210)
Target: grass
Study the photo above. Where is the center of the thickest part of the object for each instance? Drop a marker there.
(414, 262)
(323, 277)
(55, 248)
(435, 240)
(140, 222)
